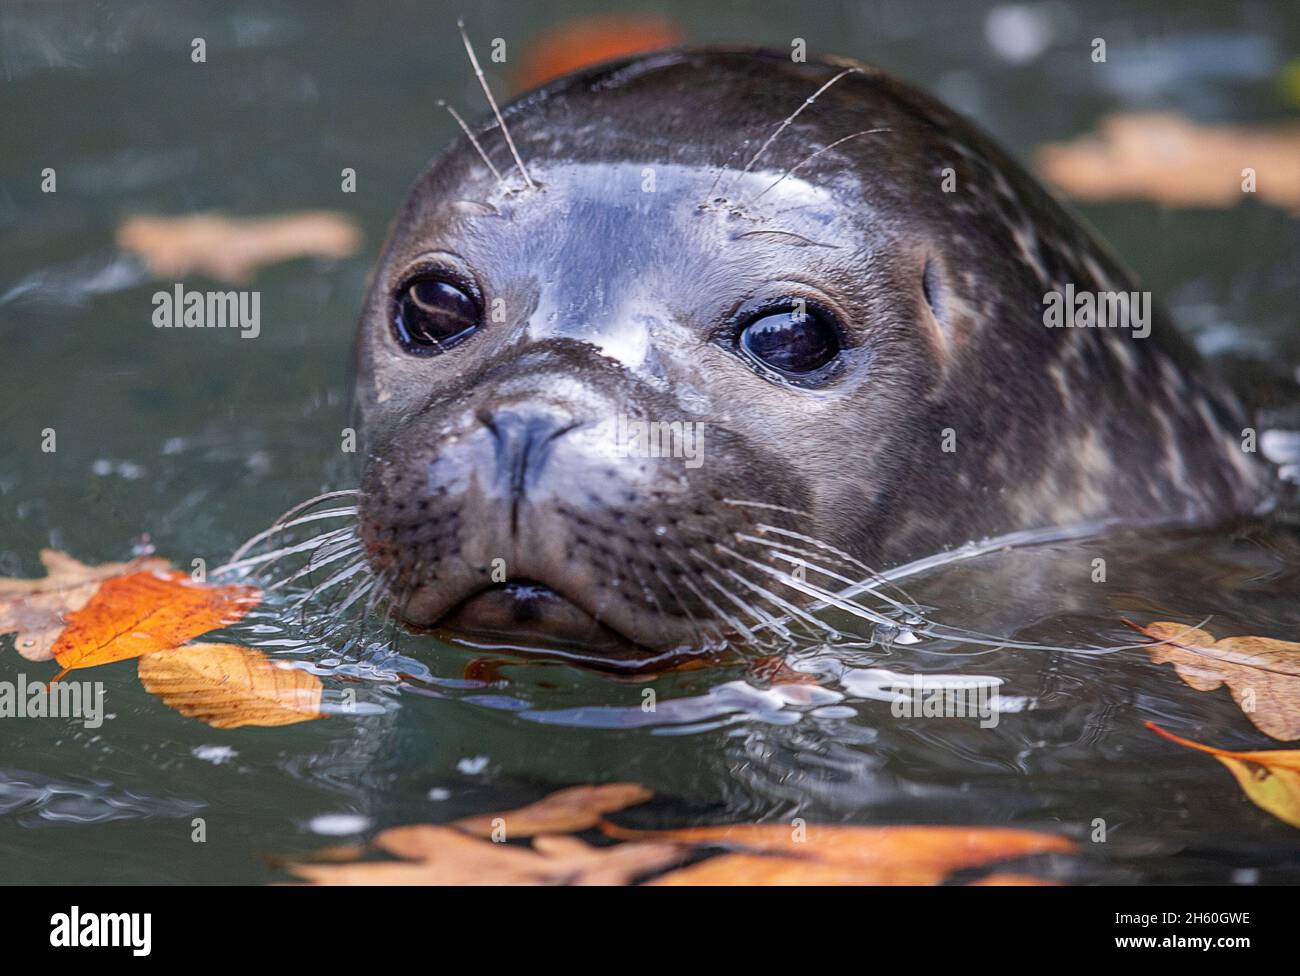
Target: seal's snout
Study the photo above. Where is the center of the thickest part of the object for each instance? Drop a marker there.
(521, 514)
(523, 441)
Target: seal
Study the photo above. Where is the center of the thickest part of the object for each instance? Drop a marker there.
(663, 333)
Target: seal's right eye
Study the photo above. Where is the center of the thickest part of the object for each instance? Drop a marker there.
(431, 314)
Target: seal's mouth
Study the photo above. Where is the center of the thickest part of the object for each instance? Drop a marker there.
(529, 616)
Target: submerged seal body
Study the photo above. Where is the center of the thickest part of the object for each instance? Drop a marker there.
(699, 336)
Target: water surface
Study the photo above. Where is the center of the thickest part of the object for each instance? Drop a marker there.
(191, 441)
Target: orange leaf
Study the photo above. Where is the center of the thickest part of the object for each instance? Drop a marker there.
(767, 854)
(226, 686)
(591, 40)
(232, 248)
(146, 612)
(745, 870)
(566, 811)
(442, 856)
(1176, 162)
(1269, 777)
(873, 855)
(33, 610)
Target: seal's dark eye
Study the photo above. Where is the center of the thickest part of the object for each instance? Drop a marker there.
(431, 315)
(796, 341)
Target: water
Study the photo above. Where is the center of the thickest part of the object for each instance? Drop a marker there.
(192, 441)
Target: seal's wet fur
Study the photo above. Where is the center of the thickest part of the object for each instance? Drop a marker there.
(614, 300)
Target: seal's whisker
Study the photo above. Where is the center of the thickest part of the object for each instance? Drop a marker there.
(647, 590)
(366, 585)
(810, 590)
(734, 622)
(383, 581)
(698, 630)
(728, 619)
(767, 505)
(473, 140)
(772, 598)
(931, 629)
(275, 555)
(761, 616)
(478, 71)
(808, 159)
(796, 615)
(800, 557)
(785, 123)
(878, 578)
(708, 197)
(314, 564)
(279, 526)
(346, 573)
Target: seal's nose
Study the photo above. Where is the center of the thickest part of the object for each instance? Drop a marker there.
(522, 442)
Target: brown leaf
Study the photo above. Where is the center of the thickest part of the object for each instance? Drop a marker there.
(773, 668)
(228, 686)
(1271, 777)
(144, 612)
(1262, 674)
(853, 855)
(232, 248)
(35, 609)
(446, 856)
(566, 811)
(1176, 162)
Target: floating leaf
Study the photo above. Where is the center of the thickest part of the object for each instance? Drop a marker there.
(34, 610)
(1262, 673)
(849, 855)
(226, 686)
(1173, 161)
(763, 869)
(591, 40)
(141, 613)
(566, 811)
(1271, 777)
(446, 856)
(767, 854)
(232, 248)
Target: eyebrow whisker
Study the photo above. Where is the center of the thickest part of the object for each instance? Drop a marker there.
(784, 124)
(800, 240)
(478, 71)
(473, 140)
(809, 158)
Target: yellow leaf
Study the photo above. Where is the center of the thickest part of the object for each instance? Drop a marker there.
(1271, 777)
(228, 686)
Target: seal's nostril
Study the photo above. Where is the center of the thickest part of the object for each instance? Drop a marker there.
(522, 447)
(484, 417)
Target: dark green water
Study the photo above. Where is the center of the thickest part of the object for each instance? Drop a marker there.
(198, 439)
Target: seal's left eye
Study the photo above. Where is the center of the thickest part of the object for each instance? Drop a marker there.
(796, 342)
(432, 314)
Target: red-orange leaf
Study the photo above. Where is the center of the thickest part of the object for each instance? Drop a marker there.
(146, 612)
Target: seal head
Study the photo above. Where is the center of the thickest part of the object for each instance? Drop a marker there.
(722, 331)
